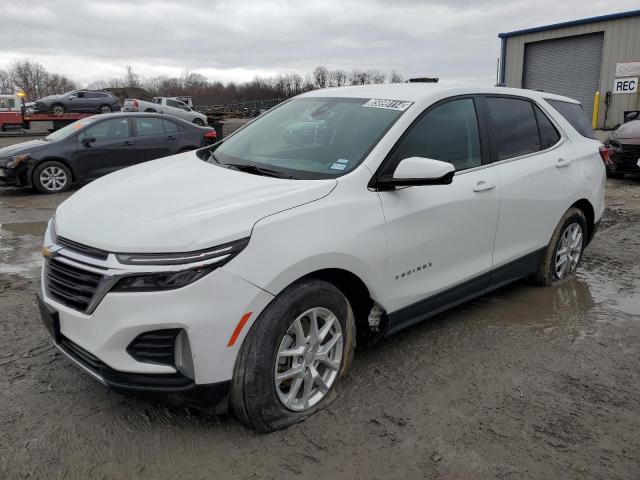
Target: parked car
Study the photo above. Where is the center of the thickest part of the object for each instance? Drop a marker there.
(168, 106)
(241, 273)
(624, 150)
(94, 101)
(95, 146)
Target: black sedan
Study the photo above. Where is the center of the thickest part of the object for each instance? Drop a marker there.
(95, 146)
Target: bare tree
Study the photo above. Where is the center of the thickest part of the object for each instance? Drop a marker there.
(337, 78)
(376, 76)
(359, 77)
(58, 84)
(6, 83)
(395, 77)
(321, 77)
(30, 77)
(131, 78)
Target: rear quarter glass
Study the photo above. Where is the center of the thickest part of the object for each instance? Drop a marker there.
(575, 115)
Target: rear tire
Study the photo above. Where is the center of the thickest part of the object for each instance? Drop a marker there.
(198, 122)
(105, 109)
(51, 177)
(258, 393)
(564, 253)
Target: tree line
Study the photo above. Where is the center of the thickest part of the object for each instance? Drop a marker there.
(33, 78)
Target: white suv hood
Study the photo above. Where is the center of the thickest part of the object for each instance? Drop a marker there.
(177, 204)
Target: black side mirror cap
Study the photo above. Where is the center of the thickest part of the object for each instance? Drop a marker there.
(387, 182)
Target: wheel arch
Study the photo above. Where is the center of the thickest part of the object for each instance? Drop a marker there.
(589, 213)
(354, 288)
(52, 159)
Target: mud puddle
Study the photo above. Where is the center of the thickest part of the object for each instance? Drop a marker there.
(25, 228)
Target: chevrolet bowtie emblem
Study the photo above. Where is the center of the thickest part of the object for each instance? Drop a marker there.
(46, 252)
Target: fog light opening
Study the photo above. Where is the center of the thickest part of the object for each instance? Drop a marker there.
(183, 357)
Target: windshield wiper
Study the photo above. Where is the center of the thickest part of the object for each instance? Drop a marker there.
(254, 169)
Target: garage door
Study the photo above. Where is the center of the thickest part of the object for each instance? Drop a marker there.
(566, 66)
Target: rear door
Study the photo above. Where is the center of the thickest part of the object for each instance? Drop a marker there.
(440, 237)
(538, 177)
(151, 139)
(104, 147)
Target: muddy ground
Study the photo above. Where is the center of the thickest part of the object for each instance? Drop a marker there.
(527, 382)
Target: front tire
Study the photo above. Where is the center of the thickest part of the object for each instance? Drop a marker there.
(198, 122)
(51, 177)
(564, 253)
(57, 109)
(294, 358)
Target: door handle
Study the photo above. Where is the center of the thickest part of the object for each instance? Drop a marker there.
(563, 162)
(126, 144)
(171, 137)
(482, 185)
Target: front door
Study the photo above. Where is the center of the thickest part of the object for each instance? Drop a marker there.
(440, 237)
(104, 147)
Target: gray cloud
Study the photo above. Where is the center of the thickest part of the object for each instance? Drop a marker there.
(234, 40)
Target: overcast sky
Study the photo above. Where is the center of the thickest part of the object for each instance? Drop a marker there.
(236, 39)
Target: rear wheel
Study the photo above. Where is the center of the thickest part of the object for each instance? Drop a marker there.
(564, 252)
(294, 357)
(198, 122)
(57, 109)
(51, 177)
(105, 109)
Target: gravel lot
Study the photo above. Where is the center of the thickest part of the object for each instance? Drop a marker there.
(527, 382)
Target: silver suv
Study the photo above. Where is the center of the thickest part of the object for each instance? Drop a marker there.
(92, 101)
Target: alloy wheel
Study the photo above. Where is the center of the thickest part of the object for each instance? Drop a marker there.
(58, 109)
(105, 109)
(568, 251)
(308, 359)
(53, 178)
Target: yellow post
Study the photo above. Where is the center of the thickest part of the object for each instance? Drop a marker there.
(596, 110)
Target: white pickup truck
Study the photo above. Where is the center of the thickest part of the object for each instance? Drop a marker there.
(168, 106)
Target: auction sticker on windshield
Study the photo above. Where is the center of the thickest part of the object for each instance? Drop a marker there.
(389, 104)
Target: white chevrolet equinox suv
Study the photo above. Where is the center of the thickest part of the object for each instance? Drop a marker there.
(239, 274)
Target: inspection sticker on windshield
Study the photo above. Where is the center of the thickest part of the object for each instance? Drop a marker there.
(338, 166)
(388, 104)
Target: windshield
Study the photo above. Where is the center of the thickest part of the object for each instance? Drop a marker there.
(312, 137)
(69, 130)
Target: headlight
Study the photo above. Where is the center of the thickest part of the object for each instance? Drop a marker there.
(216, 255)
(207, 260)
(17, 160)
(161, 281)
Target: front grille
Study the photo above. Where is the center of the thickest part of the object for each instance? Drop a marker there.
(116, 378)
(83, 249)
(69, 285)
(157, 346)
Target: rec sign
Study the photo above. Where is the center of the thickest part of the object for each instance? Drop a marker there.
(625, 85)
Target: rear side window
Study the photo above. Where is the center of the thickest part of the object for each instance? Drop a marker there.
(549, 136)
(169, 126)
(448, 133)
(149, 126)
(514, 127)
(574, 114)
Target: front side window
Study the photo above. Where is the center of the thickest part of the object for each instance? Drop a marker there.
(311, 137)
(513, 126)
(148, 126)
(173, 103)
(114, 129)
(574, 114)
(448, 132)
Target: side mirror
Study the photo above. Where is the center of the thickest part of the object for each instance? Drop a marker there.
(415, 171)
(87, 141)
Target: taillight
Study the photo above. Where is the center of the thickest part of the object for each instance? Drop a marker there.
(212, 135)
(605, 154)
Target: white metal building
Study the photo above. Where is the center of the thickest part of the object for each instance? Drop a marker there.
(578, 58)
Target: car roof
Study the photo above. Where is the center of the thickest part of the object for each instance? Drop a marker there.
(418, 92)
(145, 114)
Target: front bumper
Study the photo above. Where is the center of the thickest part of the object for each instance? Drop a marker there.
(208, 311)
(8, 177)
(625, 158)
